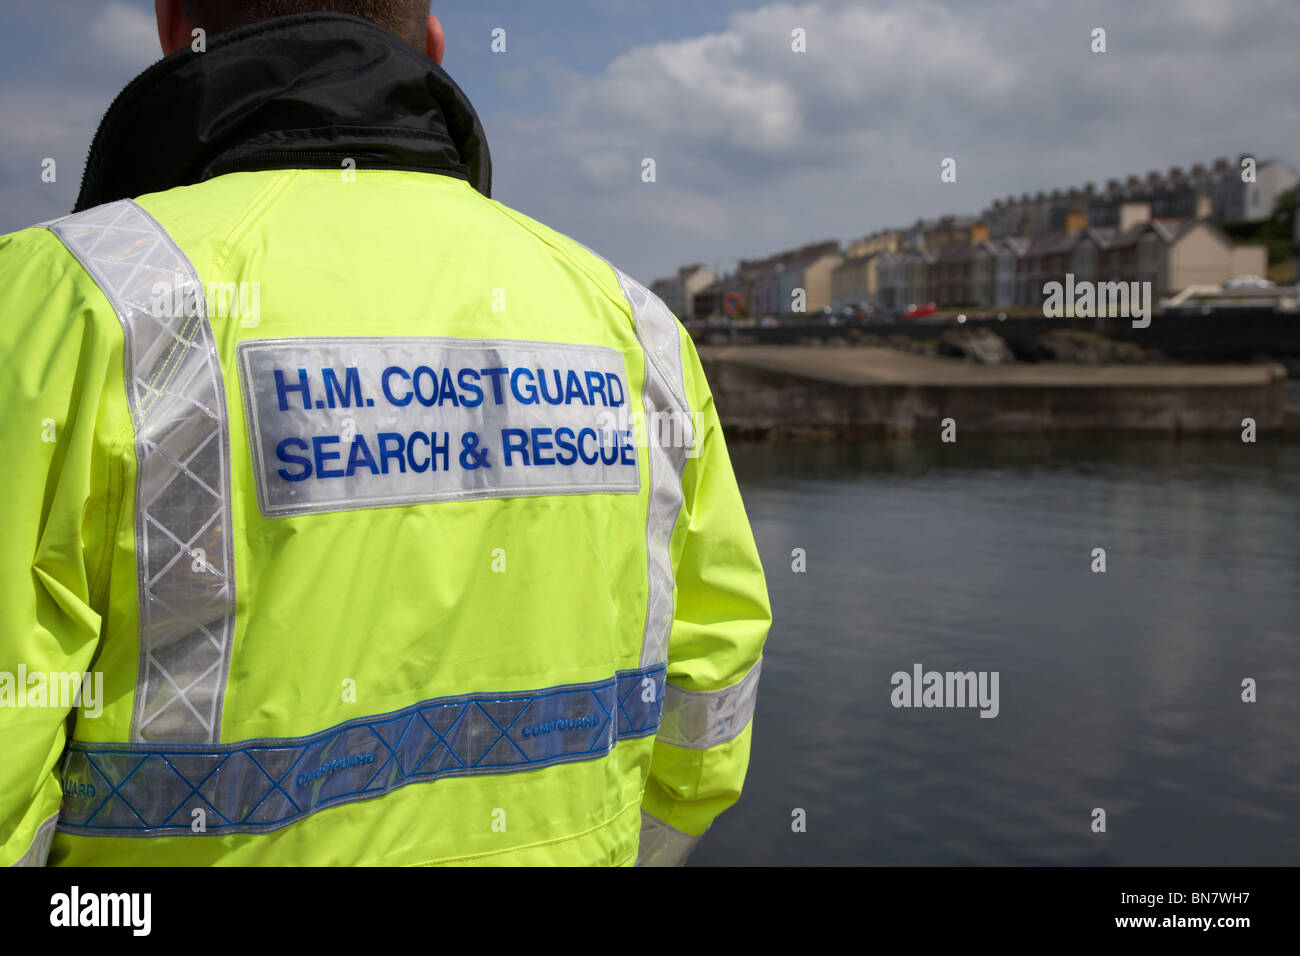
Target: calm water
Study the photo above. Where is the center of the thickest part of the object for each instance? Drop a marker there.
(1118, 690)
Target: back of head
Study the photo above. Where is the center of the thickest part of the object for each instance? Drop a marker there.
(406, 18)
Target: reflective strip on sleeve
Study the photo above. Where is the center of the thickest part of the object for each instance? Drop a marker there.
(39, 851)
(663, 845)
(670, 438)
(257, 786)
(182, 501)
(698, 720)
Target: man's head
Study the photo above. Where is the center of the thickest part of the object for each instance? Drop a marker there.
(409, 19)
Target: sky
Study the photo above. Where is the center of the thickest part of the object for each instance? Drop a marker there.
(757, 147)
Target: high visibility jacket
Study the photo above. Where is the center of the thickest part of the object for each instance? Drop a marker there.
(349, 516)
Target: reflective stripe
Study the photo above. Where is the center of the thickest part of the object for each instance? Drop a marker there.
(663, 393)
(182, 501)
(39, 851)
(261, 785)
(699, 720)
(663, 845)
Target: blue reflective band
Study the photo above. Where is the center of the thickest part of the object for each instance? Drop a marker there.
(256, 786)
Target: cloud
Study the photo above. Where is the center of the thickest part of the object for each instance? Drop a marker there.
(93, 50)
(40, 125)
(122, 37)
(758, 147)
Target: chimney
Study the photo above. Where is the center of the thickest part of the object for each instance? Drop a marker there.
(1132, 214)
(1198, 170)
(1220, 165)
(1153, 178)
(1076, 220)
(1112, 187)
(979, 232)
(1133, 182)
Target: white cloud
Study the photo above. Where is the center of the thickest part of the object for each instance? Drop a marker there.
(124, 36)
(758, 147)
(97, 54)
(41, 124)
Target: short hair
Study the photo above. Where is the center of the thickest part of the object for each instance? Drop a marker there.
(406, 18)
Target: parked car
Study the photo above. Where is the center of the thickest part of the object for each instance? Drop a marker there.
(1249, 282)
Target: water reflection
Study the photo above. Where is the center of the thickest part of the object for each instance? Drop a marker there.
(1118, 690)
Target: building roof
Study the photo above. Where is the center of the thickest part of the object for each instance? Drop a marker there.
(1135, 232)
(953, 252)
(855, 261)
(1053, 243)
(808, 253)
(1101, 235)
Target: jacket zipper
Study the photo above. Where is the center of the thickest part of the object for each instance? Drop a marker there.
(224, 166)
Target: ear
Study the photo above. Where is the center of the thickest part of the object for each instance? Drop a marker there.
(435, 44)
(173, 28)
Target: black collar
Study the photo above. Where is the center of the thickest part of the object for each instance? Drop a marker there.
(304, 91)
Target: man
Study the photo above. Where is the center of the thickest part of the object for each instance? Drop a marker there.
(387, 525)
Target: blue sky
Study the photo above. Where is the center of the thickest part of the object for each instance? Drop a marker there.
(756, 147)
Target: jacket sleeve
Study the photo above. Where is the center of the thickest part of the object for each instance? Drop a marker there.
(721, 617)
(54, 365)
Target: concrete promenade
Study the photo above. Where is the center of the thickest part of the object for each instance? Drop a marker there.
(850, 392)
